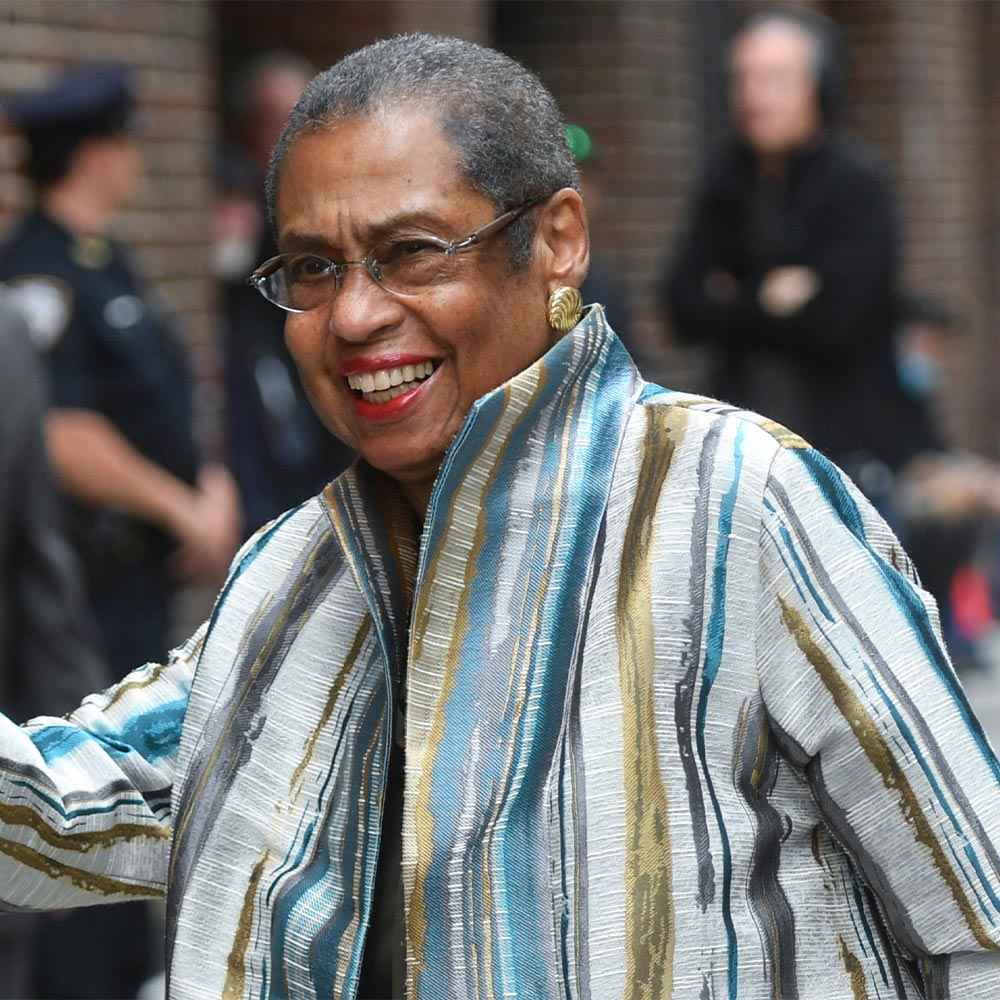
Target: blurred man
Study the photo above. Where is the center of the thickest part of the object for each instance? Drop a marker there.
(143, 508)
(48, 654)
(279, 451)
(788, 271)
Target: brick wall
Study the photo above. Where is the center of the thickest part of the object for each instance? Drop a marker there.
(323, 30)
(171, 46)
(943, 184)
(622, 71)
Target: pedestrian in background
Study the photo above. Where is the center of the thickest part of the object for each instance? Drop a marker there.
(788, 270)
(278, 450)
(947, 501)
(48, 645)
(144, 509)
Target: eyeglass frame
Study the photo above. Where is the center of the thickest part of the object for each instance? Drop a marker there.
(371, 264)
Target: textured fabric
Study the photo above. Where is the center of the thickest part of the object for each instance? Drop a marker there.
(678, 724)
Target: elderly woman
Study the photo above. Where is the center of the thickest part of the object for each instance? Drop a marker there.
(570, 687)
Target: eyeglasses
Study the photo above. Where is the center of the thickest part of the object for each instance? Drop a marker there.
(300, 282)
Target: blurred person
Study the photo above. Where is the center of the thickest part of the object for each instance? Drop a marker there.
(144, 511)
(947, 500)
(278, 450)
(602, 283)
(788, 271)
(568, 685)
(48, 645)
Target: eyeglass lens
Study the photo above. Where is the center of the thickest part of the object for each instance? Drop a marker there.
(306, 281)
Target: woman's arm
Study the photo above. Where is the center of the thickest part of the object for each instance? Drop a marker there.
(862, 697)
(85, 801)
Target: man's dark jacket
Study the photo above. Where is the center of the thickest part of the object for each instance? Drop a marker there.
(48, 658)
(826, 370)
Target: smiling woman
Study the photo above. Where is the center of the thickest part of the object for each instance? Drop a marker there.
(571, 686)
(373, 178)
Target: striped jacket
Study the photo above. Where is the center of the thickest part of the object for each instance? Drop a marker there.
(678, 723)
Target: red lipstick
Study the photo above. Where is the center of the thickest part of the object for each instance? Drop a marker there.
(379, 412)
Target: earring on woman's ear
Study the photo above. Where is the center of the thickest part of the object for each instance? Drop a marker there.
(565, 309)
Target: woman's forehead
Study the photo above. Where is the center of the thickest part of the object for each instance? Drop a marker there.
(367, 171)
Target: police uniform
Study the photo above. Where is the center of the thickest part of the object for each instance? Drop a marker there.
(110, 350)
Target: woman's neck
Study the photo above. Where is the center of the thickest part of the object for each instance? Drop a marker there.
(418, 496)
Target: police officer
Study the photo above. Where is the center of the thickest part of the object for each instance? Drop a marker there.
(142, 507)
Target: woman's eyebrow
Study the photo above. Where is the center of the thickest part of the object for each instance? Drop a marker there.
(296, 241)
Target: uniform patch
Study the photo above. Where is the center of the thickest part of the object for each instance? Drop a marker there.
(123, 311)
(91, 252)
(46, 303)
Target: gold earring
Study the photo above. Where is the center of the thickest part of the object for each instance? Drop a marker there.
(565, 309)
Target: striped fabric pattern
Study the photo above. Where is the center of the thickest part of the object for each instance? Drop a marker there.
(678, 724)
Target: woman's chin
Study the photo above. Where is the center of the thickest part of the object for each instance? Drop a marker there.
(404, 461)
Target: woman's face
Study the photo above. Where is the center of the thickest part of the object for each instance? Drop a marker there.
(340, 192)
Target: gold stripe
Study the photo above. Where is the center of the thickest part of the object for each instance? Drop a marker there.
(236, 963)
(784, 437)
(649, 907)
(331, 701)
(854, 970)
(126, 686)
(87, 881)
(154, 674)
(877, 751)
(12, 815)
(761, 759)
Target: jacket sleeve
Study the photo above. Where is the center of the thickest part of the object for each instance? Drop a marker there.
(863, 699)
(85, 801)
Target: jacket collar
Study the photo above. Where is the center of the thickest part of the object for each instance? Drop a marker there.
(584, 384)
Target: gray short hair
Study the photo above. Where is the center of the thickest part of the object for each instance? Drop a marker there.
(505, 126)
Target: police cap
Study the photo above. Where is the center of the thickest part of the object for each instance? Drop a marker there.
(93, 99)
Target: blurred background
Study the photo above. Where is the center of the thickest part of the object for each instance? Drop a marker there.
(648, 81)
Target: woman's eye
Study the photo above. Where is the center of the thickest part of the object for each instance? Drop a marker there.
(402, 249)
(308, 268)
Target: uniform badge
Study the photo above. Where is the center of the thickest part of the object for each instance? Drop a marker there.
(123, 311)
(46, 304)
(91, 252)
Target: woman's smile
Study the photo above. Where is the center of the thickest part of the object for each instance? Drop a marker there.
(387, 387)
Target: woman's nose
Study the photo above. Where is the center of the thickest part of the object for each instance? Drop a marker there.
(361, 307)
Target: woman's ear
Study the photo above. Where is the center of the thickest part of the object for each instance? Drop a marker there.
(563, 239)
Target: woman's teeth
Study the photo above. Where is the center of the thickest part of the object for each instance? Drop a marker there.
(388, 383)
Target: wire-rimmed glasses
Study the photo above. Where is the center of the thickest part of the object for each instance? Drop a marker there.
(405, 265)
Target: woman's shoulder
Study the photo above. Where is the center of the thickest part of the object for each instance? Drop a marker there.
(757, 437)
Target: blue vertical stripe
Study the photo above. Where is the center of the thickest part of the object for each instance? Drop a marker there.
(716, 634)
